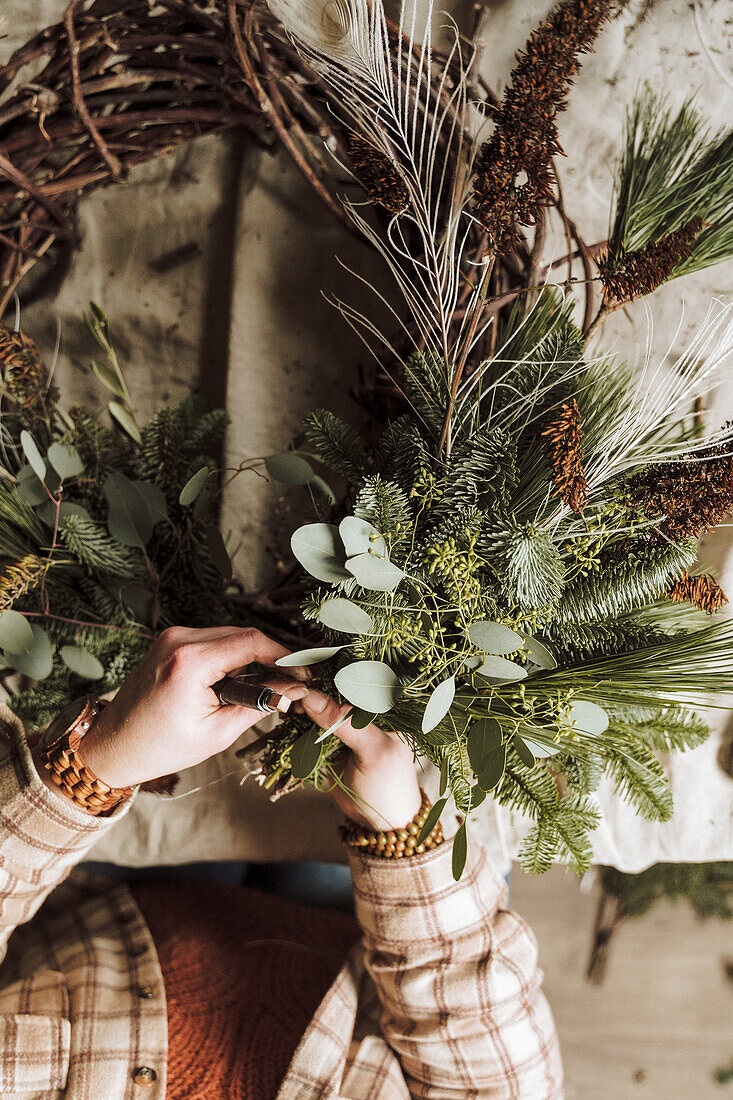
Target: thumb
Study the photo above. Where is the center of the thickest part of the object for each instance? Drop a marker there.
(326, 712)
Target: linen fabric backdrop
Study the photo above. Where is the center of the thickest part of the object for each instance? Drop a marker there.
(242, 317)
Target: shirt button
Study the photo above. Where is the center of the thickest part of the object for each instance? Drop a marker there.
(144, 992)
(144, 1075)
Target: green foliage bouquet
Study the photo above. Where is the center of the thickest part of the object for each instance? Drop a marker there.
(508, 581)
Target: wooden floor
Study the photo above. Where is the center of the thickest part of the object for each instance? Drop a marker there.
(661, 1022)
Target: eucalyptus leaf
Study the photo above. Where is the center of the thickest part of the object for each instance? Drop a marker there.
(305, 754)
(538, 653)
(375, 574)
(478, 795)
(31, 452)
(138, 600)
(492, 769)
(125, 419)
(360, 719)
(304, 657)
(47, 511)
(431, 821)
(82, 662)
(444, 775)
(369, 685)
(30, 487)
(16, 633)
(154, 497)
(483, 739)
(333, 728)
(38, 661)
(320, 486)
(587, 717)
(523, 751)
(109, 377)
(359, 537)
(289, 469)
(498, 668)
(66, 461)
(460, 852)
(346, 616)
(217, 550)
(193, 488)
(129, 520)
(539, 749)
(319, 549)
(493, 637)
(439, 704)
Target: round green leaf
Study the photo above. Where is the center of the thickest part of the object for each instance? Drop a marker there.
(47, 512)
(82, 662)
(191, 491)
(523, 751)
(586, 717)
(375, 574)
(66, 461)
(538, 653)
(478, 795)
(493, 637)
(304, 657)
(38, 661)
(483, 739)
(30, 487)
(154, 497)
(498, 668)
(33, 455)
(346, 616)
(460, 851)
(130, 520)
(16, 633)
(439, 704)
(360, 719)
(359, 537)
(320, 486)
(319, 550)
(305, 754)
(217, 549)
(369, 685)
(290, 469)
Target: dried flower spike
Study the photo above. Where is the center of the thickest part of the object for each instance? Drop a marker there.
(692, 495)
(20, 578)
(702, 591)
(564, 451)
(378, 175)
(526, 138)
(634, 274)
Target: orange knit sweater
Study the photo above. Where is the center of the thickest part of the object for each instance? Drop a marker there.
(244, 972)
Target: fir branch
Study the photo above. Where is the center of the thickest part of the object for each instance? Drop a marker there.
(666, 729)
(91, 544)
(337, 445)
(639, 777)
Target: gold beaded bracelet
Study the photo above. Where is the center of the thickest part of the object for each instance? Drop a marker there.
(397, 843)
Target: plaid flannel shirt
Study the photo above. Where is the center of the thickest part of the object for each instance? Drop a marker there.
(441, 1001)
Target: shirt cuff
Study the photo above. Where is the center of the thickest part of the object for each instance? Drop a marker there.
(403, 901)
(38, 824)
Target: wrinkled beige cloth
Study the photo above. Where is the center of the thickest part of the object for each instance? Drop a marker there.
(287, 351)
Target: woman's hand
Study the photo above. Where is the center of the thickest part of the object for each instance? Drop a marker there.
(166, 718)
(380, 770)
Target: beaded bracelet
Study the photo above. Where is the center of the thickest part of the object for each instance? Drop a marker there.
(397, 843)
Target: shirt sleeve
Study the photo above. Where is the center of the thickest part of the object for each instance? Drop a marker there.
(42, 835)
(458, 979)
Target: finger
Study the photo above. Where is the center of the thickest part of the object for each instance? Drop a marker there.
(219, 656)
(325, 712)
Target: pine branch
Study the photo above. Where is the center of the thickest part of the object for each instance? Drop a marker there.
(337, 445)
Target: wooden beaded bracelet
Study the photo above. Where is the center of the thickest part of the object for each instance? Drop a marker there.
(396, 843)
